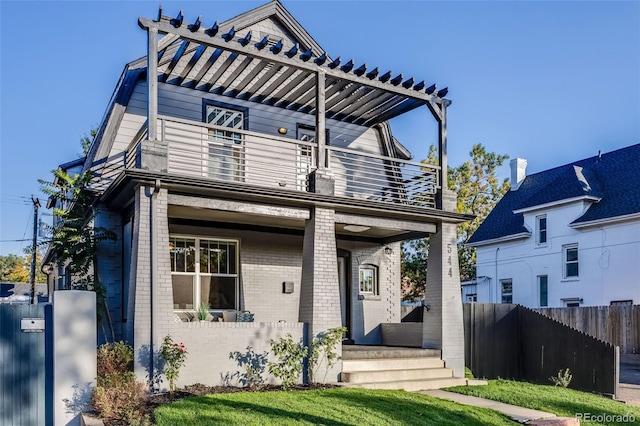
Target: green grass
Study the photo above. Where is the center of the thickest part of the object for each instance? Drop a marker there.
(557, 400)
(326, 407)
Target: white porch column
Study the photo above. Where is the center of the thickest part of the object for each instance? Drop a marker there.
(320, 289)
(442, 325)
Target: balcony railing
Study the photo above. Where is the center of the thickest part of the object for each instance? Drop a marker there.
(223, 154)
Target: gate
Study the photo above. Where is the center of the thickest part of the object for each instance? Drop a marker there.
(25, 376)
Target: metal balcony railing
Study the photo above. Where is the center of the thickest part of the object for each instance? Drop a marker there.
(223, 154)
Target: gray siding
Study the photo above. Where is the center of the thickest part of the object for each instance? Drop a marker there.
(186, 103)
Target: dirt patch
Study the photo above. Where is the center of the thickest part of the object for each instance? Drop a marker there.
(198, 389)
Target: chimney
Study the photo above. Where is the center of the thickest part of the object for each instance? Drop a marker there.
(518, 172)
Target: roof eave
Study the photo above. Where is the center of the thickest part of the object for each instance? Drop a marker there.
(605, 221)
(557, 203)
(506, 238)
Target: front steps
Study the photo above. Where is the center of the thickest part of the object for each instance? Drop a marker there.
(411, 369)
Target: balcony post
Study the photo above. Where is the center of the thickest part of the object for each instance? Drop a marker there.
(442, 153)
(152, 83)
(321, 140)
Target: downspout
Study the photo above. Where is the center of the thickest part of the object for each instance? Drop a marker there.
(497, 250)
(154, 274)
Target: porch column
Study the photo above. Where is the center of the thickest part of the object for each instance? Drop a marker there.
(150, 300)
(442, 325)
(320, 289)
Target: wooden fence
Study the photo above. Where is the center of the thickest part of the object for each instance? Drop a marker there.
(511, 341)
(618, 325)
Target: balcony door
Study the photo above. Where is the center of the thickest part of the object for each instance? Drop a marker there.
(225, 146)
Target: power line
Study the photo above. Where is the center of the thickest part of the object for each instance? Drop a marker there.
(14, 241)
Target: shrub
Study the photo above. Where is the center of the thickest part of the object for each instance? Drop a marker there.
(563, 378)
(290, 360)
(175, 356)
(323, 351)
(117, 395)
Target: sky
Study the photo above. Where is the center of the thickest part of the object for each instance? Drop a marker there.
(549, 81)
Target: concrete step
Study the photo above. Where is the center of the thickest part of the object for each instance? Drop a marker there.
(396, 375)
(354, 365)
(411, 385)
(377, 352)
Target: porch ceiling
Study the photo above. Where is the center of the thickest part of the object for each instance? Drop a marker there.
(219, 60)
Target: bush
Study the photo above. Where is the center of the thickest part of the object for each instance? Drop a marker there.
(175, 356)
(323, 352)
(117, 395)
(562, 379)
(291, 357)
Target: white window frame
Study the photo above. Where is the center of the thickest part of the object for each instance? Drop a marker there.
(546, 283)
(566, 262)
(375, 285)
(197, 275)
(540, 231)
(224, 149)
(472, 297)
(504, 282)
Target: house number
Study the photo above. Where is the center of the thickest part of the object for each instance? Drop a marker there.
(449, 259)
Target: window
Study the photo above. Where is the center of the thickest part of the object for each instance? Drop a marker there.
(621, 302)
(570, 254)
(225, 148)
(204, 270)
(543, 290)
(472, 297)
(541, 230)
(507, 290)
(368, 279)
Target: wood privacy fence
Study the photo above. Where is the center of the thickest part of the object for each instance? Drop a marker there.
(618, 325)
(511, 341)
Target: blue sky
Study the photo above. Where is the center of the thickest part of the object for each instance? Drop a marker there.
(549, 81)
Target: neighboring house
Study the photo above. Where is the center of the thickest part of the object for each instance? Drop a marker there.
(568, 236)
(256, 173)
(21, 293)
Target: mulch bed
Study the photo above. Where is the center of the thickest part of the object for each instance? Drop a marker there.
(198, 389)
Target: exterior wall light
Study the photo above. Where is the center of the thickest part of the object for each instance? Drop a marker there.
(388, 251)
(282, 130)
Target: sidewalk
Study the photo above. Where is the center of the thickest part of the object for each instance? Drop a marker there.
(519, 414)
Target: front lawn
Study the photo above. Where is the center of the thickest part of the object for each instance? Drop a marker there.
(557, 400)
(340, 406)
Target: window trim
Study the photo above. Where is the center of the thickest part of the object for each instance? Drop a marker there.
(566, 262)
(239, 108)
(502, 292)
(375, 291)
(197, 274)
(546, 296)
(540, 231)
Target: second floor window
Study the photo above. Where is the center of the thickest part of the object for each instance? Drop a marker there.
(570, 254)
(541, 229)
(225, 147)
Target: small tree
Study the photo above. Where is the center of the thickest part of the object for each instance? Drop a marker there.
(323, 352)
(291, 357)
(73, 239)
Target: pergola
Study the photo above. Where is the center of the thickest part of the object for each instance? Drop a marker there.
(221, 60)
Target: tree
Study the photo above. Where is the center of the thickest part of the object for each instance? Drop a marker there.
(73, 239)
(16, 269)
(478, 191)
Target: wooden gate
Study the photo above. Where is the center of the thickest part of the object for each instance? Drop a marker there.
(25, 376)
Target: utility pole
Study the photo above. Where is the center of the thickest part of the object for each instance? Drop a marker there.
(32, 280)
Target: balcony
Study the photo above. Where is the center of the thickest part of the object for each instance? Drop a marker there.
(218, 153)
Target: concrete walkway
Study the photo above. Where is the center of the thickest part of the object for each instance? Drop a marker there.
(519, 414)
